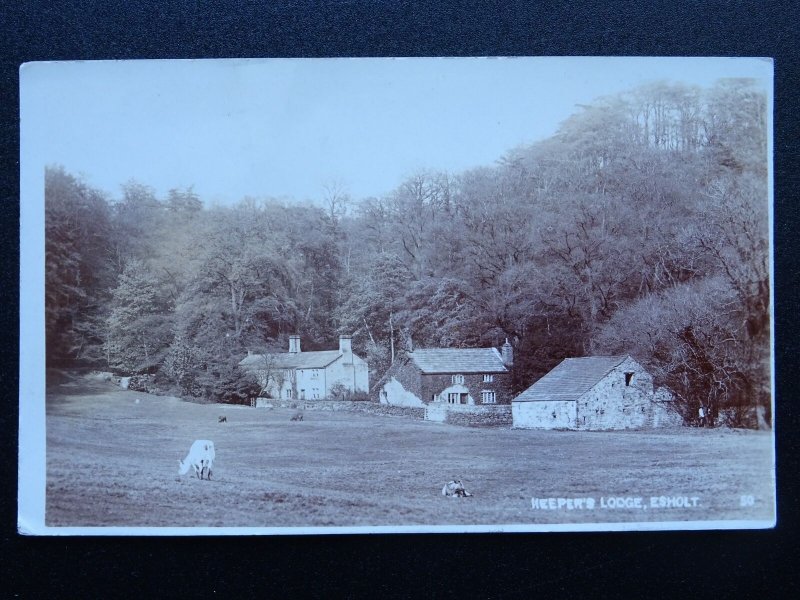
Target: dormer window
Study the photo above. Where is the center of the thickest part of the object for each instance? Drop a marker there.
(628, 378)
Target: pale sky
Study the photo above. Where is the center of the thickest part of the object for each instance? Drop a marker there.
(285, 127)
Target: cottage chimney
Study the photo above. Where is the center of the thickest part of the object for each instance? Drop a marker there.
(345, 344)
(294, 344)
(507, 353)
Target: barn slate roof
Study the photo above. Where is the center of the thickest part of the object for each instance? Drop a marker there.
(571, 378)
(458, 360)
(293, 360)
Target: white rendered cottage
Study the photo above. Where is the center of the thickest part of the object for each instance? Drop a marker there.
(593, 393)
(309, 375)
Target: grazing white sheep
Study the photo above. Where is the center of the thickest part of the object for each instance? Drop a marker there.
(455, 489)
(201, 458)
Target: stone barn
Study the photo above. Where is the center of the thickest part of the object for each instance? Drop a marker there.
(593, 393)
(450, 376)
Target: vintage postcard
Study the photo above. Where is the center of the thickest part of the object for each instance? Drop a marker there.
(304, 296)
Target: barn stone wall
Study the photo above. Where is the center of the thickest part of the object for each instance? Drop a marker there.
(611, 404)
(544, 415)
(665, 413)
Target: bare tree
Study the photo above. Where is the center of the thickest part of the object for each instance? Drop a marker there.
(336, 201)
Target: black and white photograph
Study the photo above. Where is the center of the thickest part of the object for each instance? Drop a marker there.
(396, 295)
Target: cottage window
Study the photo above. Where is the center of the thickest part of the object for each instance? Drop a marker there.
(314, 373)
(628, 378)
(316, 393)
(488, 397)
(457, 379)
(288, 394)
(452, 397)
(433, 397)
(488, 378)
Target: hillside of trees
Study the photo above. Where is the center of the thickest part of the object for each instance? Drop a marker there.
(640, 227)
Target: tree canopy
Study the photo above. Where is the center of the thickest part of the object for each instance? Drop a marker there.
(640, 227)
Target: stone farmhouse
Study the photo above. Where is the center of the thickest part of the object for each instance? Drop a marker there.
(593, 393)
(309, 375)
(449, 376)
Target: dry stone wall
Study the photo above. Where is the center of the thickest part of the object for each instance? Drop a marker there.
(469, 416)
(344, 406)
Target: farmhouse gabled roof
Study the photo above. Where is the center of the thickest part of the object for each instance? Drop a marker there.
(458, 360)
(571, 378)
(291, 360)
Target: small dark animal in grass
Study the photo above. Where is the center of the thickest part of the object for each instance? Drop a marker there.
(298, 416)
(455, 489)
(223, 419)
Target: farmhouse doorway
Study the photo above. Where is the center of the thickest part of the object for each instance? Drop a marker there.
(457, 398)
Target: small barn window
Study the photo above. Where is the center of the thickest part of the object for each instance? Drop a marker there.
(628, 378)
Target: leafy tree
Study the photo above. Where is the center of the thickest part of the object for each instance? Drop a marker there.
(77, 268)
(693, 340)
(138, 324)
(136, 220)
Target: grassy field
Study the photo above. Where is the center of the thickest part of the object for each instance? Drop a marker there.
(112, 459)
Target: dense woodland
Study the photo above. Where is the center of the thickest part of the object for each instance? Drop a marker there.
(640, 227)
